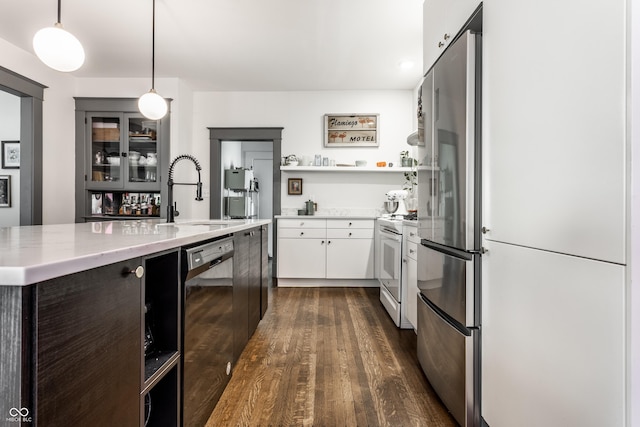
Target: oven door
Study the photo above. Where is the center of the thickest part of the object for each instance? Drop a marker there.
(390, 261)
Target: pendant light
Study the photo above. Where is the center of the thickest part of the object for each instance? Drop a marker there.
(57, 48)
(152, 105)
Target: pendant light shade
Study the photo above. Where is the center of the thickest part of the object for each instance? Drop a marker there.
(58, 48)
(152, 105)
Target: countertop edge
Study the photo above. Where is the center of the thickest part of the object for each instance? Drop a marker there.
(32, 274)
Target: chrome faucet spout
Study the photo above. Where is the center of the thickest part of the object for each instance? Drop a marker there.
(171, 208)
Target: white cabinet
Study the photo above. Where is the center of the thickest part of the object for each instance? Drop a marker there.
(410, 274)
(553, 330)
(442, 19)
(301, 257)
(350, 249)
(554, 125)
(325, 249)
(301, 248)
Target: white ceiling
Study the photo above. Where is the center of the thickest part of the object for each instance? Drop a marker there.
(252, 45)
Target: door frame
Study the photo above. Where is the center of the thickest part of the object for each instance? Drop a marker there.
(31, 96)
(216, 136)
(257, 134)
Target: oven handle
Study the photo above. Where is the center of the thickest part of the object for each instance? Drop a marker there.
(391, 236)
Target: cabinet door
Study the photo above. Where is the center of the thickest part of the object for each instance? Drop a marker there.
(264, 271)
(442, 20)
(255, 272)
(554, 131)
(240, 293)
(301, 258)
(106, 165)
(143, 153)
(553, 333)
(411, 299)
(350, 259)
(88, 350)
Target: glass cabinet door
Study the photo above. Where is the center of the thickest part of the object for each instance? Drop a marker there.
(142, 155)
(105, 150)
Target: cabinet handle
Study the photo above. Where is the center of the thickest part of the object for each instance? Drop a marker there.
(328, 242)
(322, 243)
(411, 251)
(301, 224)
(302, 233)
(440, 44)
(350, 224)
(350, 234)
(485, 230)
(404, 260)
(139, 272)
(446, 36)
(412, 234)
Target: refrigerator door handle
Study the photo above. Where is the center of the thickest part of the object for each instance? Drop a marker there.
(467, 256)
(457, 326)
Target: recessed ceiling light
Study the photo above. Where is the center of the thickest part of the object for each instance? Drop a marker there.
(407, 64)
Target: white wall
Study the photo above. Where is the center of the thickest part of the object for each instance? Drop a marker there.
(301, 116)
(300, 113)
(10, 131)
(58, 131)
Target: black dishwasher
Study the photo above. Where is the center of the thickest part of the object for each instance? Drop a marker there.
(207, 327)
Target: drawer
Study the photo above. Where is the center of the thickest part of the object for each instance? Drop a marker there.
(345, 233)
(412, 250)
(302, 233)
(412, 234)
(302, 223)
(350, 223)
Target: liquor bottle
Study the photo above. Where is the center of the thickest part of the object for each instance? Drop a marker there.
(153, 209)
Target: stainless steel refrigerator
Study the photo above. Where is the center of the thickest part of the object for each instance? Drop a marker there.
(448, 225)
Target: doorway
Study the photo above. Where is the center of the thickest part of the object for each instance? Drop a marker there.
(254, 138)
(31, 96)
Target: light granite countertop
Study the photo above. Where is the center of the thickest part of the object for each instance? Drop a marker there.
(325, 217)
(31, 254)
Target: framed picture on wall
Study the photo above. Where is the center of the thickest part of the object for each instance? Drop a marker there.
(351, 130)
(5, 191)
(295, 186)
(10, 154)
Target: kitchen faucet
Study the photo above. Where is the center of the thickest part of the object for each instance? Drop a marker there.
(172, 210)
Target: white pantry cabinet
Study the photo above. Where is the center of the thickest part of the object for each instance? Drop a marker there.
(442, 19)
(326, 248)
(553, 330)
(554, 125)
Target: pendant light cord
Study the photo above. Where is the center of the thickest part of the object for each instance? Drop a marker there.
(153, 47)
(59, 7)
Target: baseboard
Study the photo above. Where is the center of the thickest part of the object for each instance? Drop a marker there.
(329, 283)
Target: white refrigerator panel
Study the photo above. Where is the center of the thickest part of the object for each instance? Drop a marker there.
(554, 126)
(552, 339)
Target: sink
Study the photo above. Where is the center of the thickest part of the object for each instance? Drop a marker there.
(205, 222)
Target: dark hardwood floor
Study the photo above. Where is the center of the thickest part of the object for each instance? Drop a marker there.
(329, 357)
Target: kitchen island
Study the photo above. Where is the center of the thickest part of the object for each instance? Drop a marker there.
(74, 327)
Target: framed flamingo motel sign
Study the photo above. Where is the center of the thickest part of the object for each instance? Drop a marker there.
(351, 130)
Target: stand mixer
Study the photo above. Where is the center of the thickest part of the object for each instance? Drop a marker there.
(397, 197)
